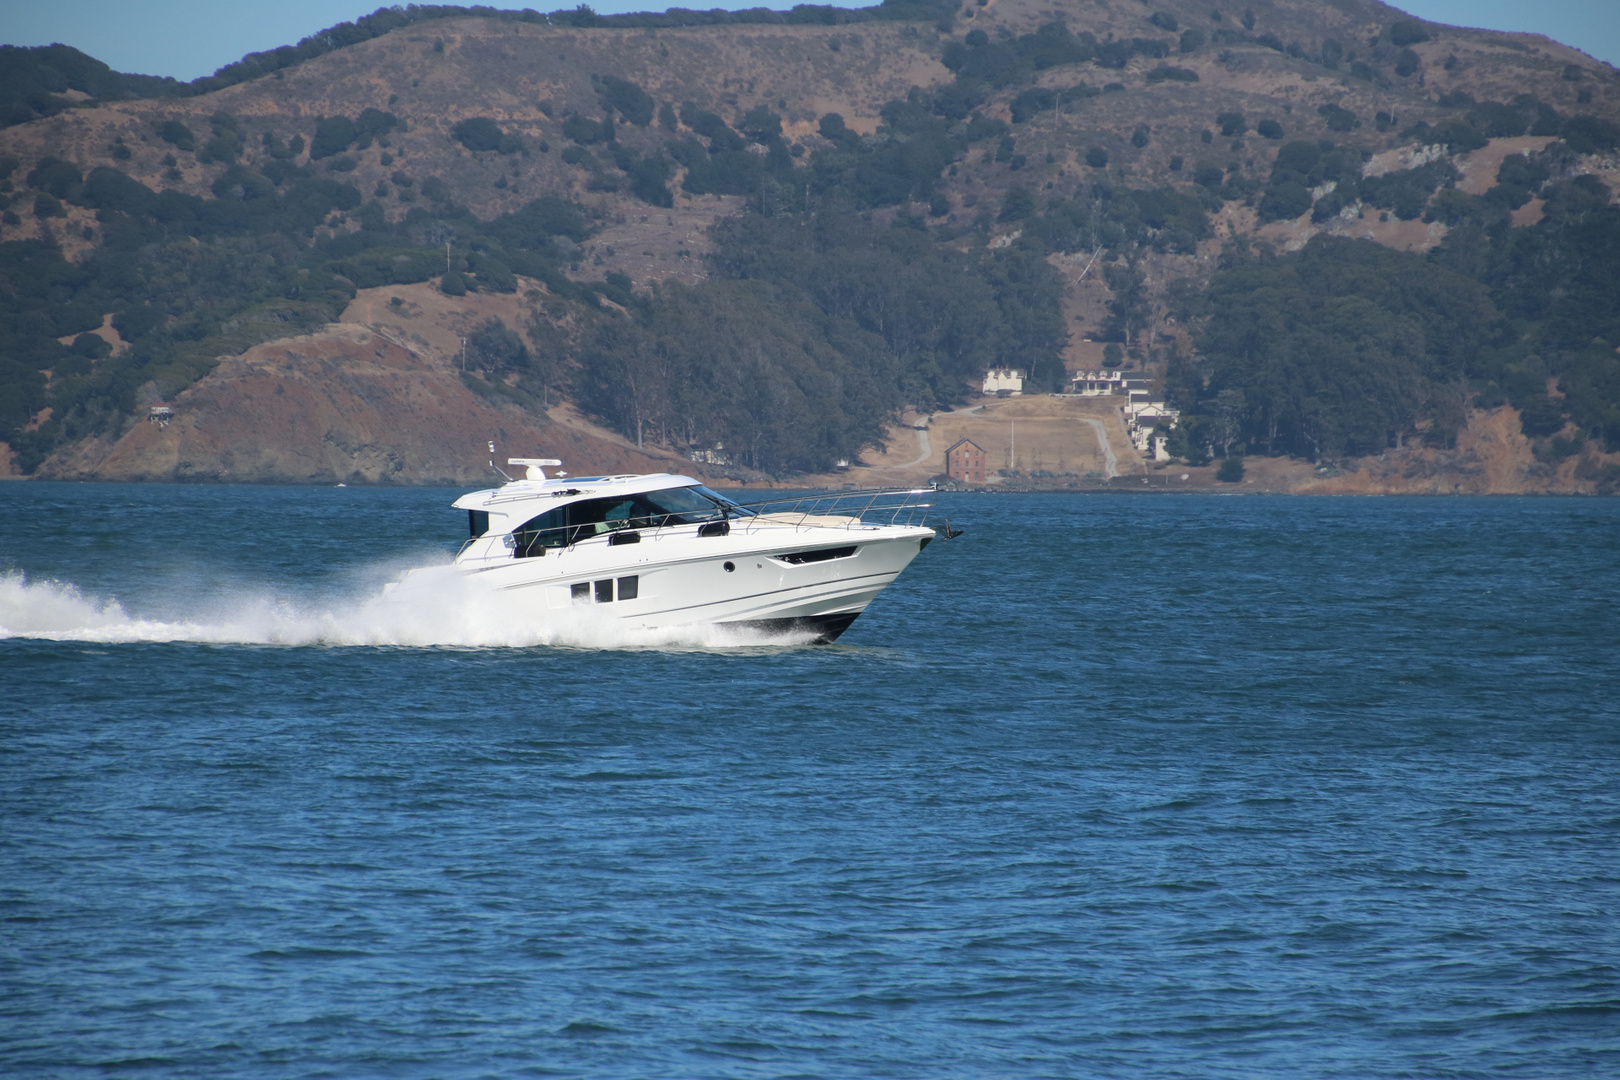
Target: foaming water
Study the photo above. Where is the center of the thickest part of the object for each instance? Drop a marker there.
(432, 610)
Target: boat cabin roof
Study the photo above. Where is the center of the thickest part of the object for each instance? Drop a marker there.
(558, 491)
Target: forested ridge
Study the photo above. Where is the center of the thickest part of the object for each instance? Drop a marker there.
(33, 81)
(872, 266)
(814, 333)
(1347, 348)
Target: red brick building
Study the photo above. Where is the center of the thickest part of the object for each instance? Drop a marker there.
(964, 462)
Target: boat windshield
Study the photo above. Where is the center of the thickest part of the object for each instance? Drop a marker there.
(696, 503)
(565, 525)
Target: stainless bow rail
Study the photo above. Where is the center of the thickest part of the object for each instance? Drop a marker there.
(867, 506)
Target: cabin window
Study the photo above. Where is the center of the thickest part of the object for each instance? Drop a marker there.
(604, 591)
(589, 517)
(629, 587)
(477, 522)
(580, 591)
(562, 526)
(538, 533)
(565, 525)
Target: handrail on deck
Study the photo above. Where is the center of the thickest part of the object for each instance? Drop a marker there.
(835, 504)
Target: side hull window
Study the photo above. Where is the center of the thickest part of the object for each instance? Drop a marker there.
(603, 591)
(534, 536)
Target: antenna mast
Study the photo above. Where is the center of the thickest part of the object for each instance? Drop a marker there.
(494, 466)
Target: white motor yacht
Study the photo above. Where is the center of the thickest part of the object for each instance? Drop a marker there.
(659, 551)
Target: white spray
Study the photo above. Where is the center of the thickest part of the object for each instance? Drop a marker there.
(443, 610)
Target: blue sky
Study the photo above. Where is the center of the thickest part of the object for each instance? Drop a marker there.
(188, 38)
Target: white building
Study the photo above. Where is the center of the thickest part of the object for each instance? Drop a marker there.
(1095, 383)
(1144, 415)
(715, 455)
(1004, 382)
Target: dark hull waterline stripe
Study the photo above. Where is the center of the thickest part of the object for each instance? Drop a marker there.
(826, 628)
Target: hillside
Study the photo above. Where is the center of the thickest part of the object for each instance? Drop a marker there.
(779, 235)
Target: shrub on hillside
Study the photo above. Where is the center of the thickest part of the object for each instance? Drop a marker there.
(1338, 117)
(1166, 73)
(480, 133)
(1408, 32)
(333, 135)
(630, 101)
(177, 135)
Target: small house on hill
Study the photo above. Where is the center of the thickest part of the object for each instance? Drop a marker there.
(1004, 382)
(964, 462)
(1095, 382)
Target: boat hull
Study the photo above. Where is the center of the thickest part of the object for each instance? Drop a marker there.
(771, 580)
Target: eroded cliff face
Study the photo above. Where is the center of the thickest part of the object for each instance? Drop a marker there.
(348, 404)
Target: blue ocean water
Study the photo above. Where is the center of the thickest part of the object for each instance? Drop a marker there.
(1107, 787)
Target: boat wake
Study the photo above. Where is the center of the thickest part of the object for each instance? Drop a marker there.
(450, 611)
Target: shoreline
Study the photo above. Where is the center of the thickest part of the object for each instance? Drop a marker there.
(1227, 491)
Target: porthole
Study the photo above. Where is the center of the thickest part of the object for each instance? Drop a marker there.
(729, 567)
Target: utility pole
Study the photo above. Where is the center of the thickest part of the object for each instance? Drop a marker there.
(447, 256)
(464, 356)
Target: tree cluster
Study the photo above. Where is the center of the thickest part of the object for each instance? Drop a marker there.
(920, 135)
(1346, 347)
(34, 82)
(814, 331)
(1102, 216)
(1324, 179)
(1525, 114)
(982, 65)
(187, 279)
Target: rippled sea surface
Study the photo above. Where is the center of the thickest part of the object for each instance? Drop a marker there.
(1107, 787)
